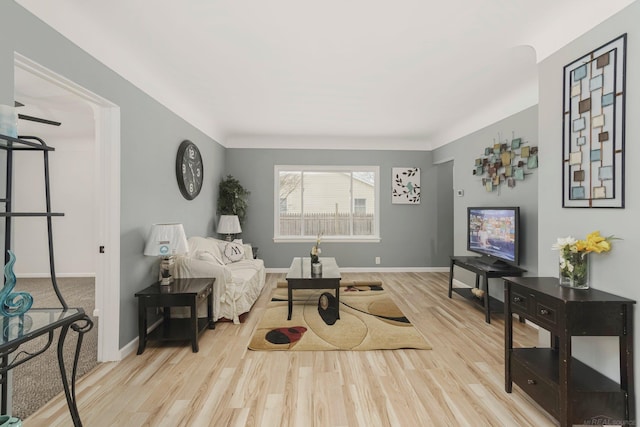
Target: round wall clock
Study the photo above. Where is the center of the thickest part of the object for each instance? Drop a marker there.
(189, 169)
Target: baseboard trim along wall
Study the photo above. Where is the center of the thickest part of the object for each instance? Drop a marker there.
(133, 344)
(377, 270)
(47, 275)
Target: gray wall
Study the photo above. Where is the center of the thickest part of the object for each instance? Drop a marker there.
(409, 233)
(150, 135)
(464, 151)
(445, 212)
(613, 272)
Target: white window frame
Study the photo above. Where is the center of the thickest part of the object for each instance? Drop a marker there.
(375, 237)
(355, 205)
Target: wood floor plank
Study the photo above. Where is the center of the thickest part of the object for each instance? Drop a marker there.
(459, 382)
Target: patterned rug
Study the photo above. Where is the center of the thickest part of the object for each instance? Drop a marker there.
(369, 320)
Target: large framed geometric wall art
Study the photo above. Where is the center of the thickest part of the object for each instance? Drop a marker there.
(593, 128)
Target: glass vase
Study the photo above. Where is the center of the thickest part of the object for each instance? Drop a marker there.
(316, 269)
(574, 270)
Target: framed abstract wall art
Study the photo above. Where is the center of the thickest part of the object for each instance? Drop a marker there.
(505, 162)
(405, 186)
(593, 128)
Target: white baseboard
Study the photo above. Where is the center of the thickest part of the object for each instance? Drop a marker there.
(458, 284)
(376, 270)
(133, 344)
(47, 275)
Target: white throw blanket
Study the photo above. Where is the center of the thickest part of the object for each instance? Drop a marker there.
(238, 284)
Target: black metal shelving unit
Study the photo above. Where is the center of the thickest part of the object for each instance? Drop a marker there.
(15, 331)
(26, 143)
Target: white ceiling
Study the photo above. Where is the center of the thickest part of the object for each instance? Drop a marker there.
(403, 74)
(46, 100)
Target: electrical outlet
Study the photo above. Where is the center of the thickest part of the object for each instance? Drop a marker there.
(377, 260)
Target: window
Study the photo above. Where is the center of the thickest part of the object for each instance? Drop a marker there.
(341, 202)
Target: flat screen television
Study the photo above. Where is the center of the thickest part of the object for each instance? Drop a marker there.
(494, 232)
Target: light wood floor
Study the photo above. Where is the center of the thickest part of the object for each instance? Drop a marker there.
(458, 383)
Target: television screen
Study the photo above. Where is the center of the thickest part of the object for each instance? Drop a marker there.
(493, 232)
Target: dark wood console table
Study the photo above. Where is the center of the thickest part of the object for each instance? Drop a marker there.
(486, 271)
(568, 389)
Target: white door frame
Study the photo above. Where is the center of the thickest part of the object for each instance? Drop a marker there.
(107, 209)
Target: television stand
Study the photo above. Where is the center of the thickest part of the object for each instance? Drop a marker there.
(493, 262)
(477, 265)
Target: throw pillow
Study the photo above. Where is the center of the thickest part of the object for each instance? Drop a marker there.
(231, 252)
(248, 251)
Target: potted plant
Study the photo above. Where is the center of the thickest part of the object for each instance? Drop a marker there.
(232, 198)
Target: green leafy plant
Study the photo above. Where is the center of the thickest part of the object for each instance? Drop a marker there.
(232, 198)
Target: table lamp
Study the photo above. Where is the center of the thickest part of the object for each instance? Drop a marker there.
(166, 241)
(229, 224)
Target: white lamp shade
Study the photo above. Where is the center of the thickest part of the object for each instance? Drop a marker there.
(229, 224)
(166, 240)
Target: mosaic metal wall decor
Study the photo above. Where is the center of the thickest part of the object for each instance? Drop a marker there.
(505, 162)
(405, 185)
(593, 128)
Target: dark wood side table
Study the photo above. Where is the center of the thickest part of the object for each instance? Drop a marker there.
(571, 391)
(180, 293)
(486, 271)
(299, 277)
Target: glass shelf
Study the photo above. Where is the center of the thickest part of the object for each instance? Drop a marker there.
(35, 322)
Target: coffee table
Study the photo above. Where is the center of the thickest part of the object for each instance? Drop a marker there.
(300, 277)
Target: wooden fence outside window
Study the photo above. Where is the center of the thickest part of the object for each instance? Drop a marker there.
(329, 224)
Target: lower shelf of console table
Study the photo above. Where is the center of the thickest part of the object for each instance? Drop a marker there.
(536, 372)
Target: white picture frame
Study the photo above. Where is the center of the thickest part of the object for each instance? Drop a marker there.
(405, 186)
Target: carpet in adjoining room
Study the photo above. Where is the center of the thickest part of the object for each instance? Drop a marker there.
(369, 320)
(38, 380)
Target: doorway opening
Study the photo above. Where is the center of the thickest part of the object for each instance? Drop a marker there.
(106, 173)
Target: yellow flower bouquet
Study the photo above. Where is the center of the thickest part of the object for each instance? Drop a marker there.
(574, 257)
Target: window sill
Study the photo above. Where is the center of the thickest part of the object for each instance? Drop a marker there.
(325, 239)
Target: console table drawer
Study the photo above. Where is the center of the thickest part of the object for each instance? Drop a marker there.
(546, 313)
(546, 394)
(519, 303)
(535, 306)
(206, 292)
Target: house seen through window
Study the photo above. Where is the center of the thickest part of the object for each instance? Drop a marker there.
(339, 202)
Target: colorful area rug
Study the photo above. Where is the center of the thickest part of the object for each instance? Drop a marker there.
(369, 320)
